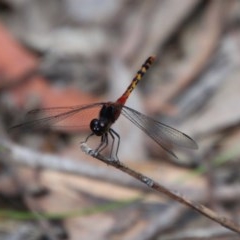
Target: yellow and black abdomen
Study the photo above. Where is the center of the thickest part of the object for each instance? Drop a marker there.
(146, 65)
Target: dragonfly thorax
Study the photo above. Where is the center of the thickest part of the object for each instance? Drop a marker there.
(107, 116)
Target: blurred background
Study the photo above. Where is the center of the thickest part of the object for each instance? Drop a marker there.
(59, 53)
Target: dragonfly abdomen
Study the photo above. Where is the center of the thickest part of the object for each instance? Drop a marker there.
(146, 65)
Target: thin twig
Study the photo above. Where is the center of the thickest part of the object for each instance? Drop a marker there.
(161, 189)
(25, 156)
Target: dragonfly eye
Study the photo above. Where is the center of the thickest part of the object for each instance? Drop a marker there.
(98, 127)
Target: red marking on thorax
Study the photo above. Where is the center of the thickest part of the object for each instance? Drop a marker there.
(122, 99)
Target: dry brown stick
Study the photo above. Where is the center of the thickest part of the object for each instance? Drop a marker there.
(161, 189)
(20, 155)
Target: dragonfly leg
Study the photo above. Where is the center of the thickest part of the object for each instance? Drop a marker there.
(103, 144)
(90, 135)
(114, 134)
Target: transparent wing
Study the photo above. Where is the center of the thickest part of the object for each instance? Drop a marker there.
(163, 134)
(61, 118)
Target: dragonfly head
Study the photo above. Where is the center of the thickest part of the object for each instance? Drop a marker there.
(99, 126)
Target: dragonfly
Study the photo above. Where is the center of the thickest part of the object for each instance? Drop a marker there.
(107, 113)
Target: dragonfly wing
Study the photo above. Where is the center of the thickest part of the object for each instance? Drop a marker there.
(75, 117)
(161, 133)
